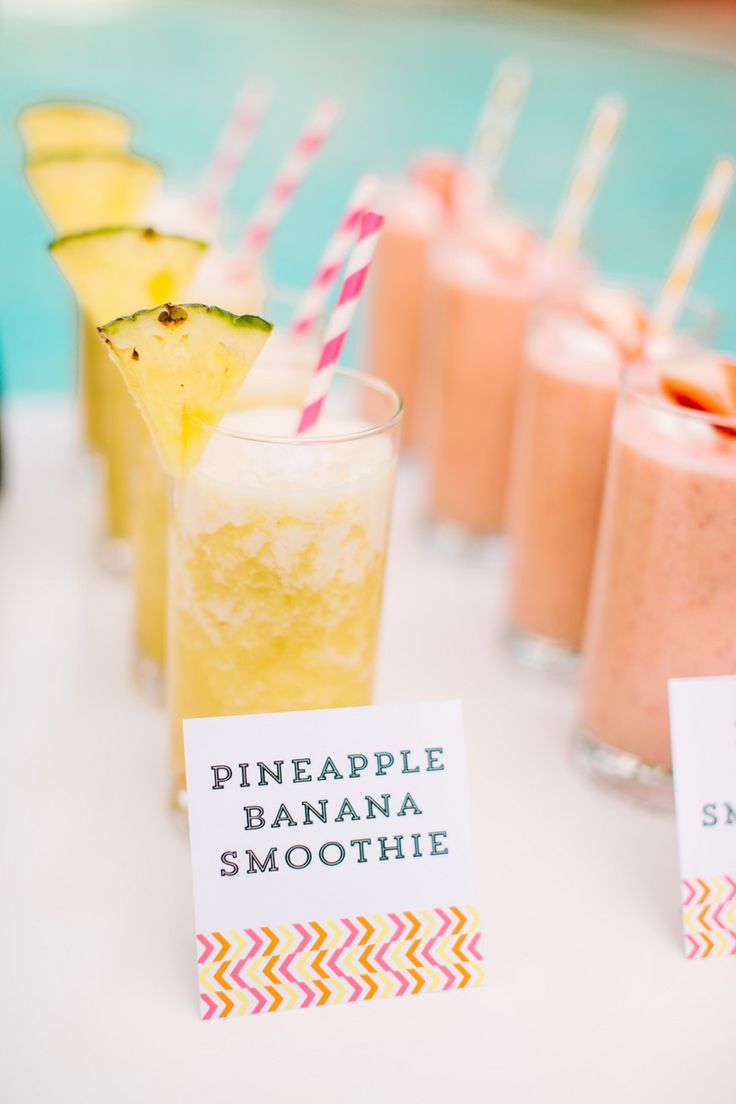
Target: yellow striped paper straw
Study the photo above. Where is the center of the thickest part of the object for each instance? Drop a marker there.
(504, 100)
(595, 153)
(694, 243)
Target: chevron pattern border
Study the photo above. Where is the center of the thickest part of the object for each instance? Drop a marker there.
(285, 966)
(709, 916)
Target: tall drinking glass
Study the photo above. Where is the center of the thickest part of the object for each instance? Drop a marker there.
(277, 554)
(149, 532)
(92, 363)
(480, 286)
(395, 307)
(150, 497)
(664, 583)
(572, 369)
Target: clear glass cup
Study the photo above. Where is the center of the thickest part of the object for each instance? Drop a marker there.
(150, 522)
(92, 357)
(664, 582)
(120, 416)
(561, 438)
(150, 502)
(277, 554)
(395, 305)
(483, 278)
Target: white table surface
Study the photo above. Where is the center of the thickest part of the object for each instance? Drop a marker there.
(588, 995)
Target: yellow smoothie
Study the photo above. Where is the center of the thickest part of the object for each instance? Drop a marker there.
(150, 513)
(149, 507)
(150, 517)
(120, 418)
(93, 363)
(277, 561)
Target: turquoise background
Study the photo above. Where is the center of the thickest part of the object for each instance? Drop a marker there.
(406, 81)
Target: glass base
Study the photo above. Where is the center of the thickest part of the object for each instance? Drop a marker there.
(541, 654)
(624, 772)
(150, 678)
(116, 556)
(453, 541)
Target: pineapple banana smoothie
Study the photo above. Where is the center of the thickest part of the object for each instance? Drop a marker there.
(149, 535)
(93, 366)
(664, 584)
(84, 176)
(149, 507)
(278, 549)
(113, 270)
(264, 387)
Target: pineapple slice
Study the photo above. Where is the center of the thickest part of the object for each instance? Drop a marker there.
(121, 269)
(184, 366)
(60, 127)
(79, 191)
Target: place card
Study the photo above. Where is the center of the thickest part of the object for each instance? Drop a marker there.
(332, 857)
(703, 735)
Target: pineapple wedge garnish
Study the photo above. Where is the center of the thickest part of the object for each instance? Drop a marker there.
(61, 127)
(184, 366)
(120, 269)
(81, 191)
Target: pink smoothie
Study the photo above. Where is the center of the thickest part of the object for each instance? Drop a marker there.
(394, 315)
(571, 375)
(664, 587)
(477, 308)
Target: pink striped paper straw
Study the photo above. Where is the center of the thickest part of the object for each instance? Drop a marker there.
(289, 177)
(313, 304)
(341, 317)
(244, 120)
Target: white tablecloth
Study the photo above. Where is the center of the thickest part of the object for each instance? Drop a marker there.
(588, 996)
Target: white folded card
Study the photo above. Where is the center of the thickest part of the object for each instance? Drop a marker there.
(703, 736)
(331, 856)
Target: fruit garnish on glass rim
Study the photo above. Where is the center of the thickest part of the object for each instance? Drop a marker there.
(81, 191)
(184, 365)
(442, 173)
(506, 240)
(619, 314)
(65, 126)
(706, 383)
(119, 269)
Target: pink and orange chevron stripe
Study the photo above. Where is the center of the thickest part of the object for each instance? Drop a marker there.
(309, 964)
(709, 916)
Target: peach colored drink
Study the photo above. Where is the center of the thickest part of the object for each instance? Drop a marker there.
(664, 586)
(477, 308)
(414, 216)
(575, 353)
(562, 434)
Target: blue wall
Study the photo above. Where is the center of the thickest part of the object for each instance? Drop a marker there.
(406, 81)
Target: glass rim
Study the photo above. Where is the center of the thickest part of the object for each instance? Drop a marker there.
(659, 401)
(703, 308)
(373, 383)
(699, 305)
